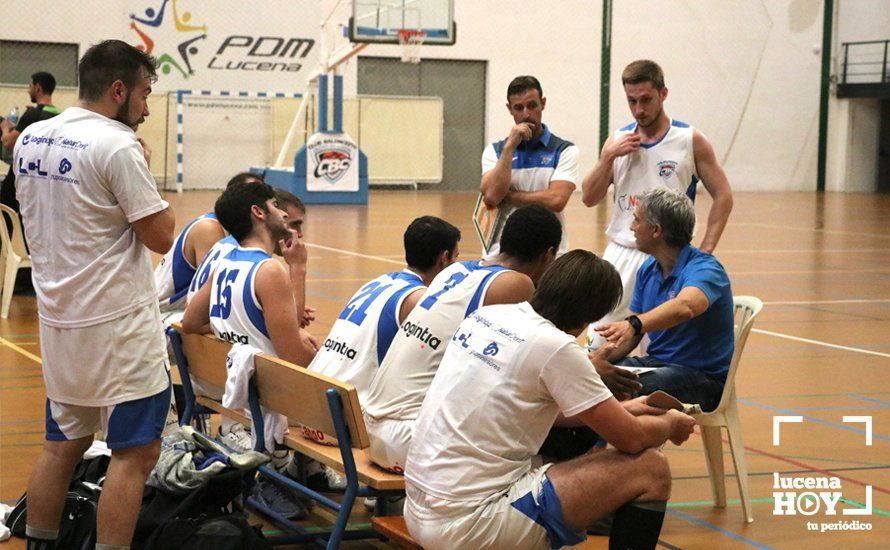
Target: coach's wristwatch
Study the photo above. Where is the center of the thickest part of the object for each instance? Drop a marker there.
(636, 324)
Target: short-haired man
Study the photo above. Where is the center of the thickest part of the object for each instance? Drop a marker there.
(530, 166)
(92, 212)
(682, 300)
(40, 92)
(530, 240)
(509, 372)
(251, 298)
(653, 151)
(362, 334)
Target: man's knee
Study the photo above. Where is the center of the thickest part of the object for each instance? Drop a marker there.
(141, 459)
(657, 473)
(69, 452)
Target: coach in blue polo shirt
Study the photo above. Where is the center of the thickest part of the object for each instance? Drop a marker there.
(530, 166)
(684, 303)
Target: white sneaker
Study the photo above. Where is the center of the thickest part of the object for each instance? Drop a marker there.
(327, 480)
(370, 503)
(237, 439)
(280, 460)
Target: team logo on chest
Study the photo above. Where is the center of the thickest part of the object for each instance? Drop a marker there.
(666, 168)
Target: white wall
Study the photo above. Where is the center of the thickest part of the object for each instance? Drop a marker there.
(746, 72)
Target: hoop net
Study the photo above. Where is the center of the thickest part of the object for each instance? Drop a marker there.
(410, 42)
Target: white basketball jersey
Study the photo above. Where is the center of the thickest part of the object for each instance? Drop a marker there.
(667, 163)
(235, 313)
(216, 253)
(363, 332)
(408, 368)
(174, 274)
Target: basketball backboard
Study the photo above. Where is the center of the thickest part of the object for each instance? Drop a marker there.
(379, 21)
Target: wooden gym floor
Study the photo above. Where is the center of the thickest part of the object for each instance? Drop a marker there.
(820, 350)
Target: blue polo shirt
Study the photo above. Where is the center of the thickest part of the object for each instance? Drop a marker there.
(705, 342)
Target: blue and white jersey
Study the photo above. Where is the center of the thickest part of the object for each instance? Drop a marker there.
(407, 370)
(668, 163)
(174, 274)
(535, 165)
(235, 313)
(216, 253)
(363, 332)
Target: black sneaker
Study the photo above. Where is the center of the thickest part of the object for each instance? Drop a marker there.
(326, 481)
(279, 499)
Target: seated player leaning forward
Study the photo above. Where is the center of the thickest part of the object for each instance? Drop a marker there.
(528, 245)
(684, 302)
(363, 332)
(508, 374)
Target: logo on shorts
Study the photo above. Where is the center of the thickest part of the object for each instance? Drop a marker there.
(666, 168)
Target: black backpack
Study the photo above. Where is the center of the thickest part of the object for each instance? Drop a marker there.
(230, 532)
(77, 530)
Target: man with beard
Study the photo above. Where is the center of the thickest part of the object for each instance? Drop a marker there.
(92, 212)
(653, 151)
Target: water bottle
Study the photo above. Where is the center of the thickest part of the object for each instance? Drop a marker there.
(13, 117)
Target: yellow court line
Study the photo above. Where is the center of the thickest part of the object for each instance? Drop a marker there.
(28, 354)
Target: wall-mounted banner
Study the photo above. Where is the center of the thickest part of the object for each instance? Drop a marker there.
(332, 163)
(227, 44)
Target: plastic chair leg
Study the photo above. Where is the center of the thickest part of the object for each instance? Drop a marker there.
(734, 427)
(12, 267)
(714, 456)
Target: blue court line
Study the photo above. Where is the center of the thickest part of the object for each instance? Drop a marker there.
(870, 399)
(796, 412)
(720, 530)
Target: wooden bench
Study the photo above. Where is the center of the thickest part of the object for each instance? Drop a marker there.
(305, 398)
(394, 528)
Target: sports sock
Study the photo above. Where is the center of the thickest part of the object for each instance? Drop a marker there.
(40, 539)
(636, 525)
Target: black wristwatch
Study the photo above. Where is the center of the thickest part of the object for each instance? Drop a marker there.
(636, 324)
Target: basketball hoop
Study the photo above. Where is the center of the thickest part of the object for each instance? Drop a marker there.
(410, 42)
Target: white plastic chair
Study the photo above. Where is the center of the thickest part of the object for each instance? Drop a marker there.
(14, 255)
(727, 415)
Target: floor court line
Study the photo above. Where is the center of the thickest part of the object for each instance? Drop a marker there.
(812, 229)
(28, 354)
(730, 534)
(356, 254)
(796, 412)
(786, 472)
(870, 399)
(819, 343)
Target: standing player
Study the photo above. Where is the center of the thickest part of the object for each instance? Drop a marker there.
(361, 336)
(530, 166)
(531, 237)
(653, 151)
(92, 212)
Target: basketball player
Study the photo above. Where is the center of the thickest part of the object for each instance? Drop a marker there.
(507, 374)
(362, 334)
(529, 243)
(653, 151)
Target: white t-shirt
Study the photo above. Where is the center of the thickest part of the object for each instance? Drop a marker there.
(82, 180)
(668, 163)
(361, 336)
(534, 167)
(506, 374)
(235, 313)
(401, 383)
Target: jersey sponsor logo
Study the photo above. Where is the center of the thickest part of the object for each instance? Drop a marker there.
(666, 168)
(339, 347)
(422, 334)
(64, 166)
(233, 337)
(627, 202)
